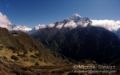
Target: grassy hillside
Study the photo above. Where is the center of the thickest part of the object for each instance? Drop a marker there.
(21, 50)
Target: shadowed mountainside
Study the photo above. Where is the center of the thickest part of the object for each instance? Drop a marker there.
(81, 43)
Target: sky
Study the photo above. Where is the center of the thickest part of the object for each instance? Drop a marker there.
(34, 12)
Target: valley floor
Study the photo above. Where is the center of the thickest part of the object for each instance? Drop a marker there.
(14, 69)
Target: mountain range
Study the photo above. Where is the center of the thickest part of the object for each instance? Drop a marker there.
(71, 22)
(78, 38)
(71, 41)
(51, 34)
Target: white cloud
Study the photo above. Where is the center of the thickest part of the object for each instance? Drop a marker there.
(4, 21)
(51, 25)
(111, 25)
(22, 28)
(40, 26)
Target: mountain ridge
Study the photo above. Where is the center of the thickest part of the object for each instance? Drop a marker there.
(72, 22)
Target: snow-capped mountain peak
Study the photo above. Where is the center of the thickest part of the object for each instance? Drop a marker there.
(75, 16)
(72, 22)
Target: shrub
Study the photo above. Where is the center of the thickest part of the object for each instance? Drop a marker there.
(14, 57)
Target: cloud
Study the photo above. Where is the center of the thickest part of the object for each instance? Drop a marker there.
(40, 26)
(112, 25)
(21, 28)
(4, 21)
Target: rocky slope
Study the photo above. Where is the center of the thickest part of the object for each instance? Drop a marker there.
(19, 51)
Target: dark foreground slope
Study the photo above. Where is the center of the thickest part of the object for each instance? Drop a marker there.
(17, 40)
(20, 52)
(82, 43)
